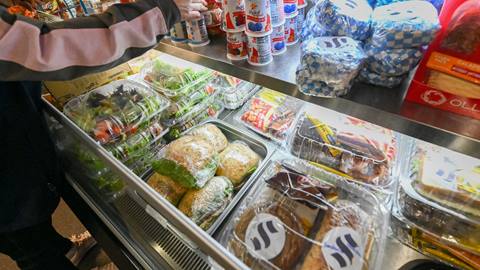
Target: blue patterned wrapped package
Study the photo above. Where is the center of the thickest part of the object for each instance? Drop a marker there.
(329, 65)
(311, 28)
(380, 80)
(349, 18)
(392, 62)
(436, 3)
(404, 25)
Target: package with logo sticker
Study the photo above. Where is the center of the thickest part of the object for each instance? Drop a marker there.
(349, 18)
(301, 217)
(440, 193)
(329, 65)
(360, 151)
(448, 77)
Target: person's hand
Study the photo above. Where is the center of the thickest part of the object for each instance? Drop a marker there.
(190, 9)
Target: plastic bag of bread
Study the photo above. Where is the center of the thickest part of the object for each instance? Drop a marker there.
(441, 194)
(363, 151)
(167, 187)
(212, 134)
(237, 162)
(204, 205)
(190, 161)
(293, 220)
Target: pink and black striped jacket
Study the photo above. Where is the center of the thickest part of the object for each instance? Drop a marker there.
(32, 51)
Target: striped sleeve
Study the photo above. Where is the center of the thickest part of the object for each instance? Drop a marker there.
(34, 51)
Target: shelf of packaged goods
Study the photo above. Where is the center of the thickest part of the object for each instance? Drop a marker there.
(381, 106)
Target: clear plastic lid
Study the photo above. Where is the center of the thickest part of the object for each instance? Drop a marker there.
(212, 111)
(293, 220)
(113, 112)
(191, 161)
(173, 77)
(234, 92)
(363, 151)
(270, 114)
(185, 109)
(441, 194)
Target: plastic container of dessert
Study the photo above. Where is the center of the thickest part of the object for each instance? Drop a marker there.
(363, 152)
(234, 92)
(270, 114)
(439, 192)
(292, 219)
(113, 112)
(174, 77)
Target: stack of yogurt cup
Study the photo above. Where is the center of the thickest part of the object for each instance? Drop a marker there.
(248, 22)
(278, 26)
(294, 17)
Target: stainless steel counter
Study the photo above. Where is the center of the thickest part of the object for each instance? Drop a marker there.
(378, 105)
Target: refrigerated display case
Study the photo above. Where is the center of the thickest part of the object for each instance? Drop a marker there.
(157, 235)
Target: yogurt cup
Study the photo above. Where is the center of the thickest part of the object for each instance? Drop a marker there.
(237, 46)
(301, 4)
(197, 33)
(178, 33)
(233, 19)
(213, 17)
(278, 40)
(277, 13)
(259, 50)
(290, 7)
(259, 21)
(291, 30)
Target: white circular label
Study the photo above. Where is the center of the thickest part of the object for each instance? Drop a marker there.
(265, 236)
(343, 249)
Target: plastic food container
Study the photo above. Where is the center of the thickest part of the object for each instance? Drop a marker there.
(294, 220)
(233, 91)
(363, 151)
(233, 15)
(183, 109)
(270, 114)
(439, 192)
(173, 77)
(290, 7)
(113, 112)
(237, 45)
(259, 50)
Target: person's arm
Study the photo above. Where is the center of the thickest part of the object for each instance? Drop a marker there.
(33, 51)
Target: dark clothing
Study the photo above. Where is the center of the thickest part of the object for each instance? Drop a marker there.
(37, 248)
(30, 175)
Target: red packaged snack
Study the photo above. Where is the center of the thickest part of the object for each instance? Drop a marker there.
(448, 77)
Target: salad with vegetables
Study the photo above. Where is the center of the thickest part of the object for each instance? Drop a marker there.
(113, 112)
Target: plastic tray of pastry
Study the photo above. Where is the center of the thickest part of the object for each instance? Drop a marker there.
(270, 114)
(431, 245)
(237, 157)
(363, 151)
(234, 92)
(174, 77)
(441, 195)
(114, 112)
(293, 220)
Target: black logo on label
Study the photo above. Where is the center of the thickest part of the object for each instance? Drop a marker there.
(352, 4)
(346, 250)
(264, 235)
(337, 42)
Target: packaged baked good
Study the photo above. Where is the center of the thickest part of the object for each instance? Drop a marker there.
(205, 204)
(190, 161)
(292, 220)
(114, 112)
(237, 162)
(212, 134)
(363, 151)
(167, 187)
(233, 91)
(441, 195)
(173, 77)
(270, 114)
